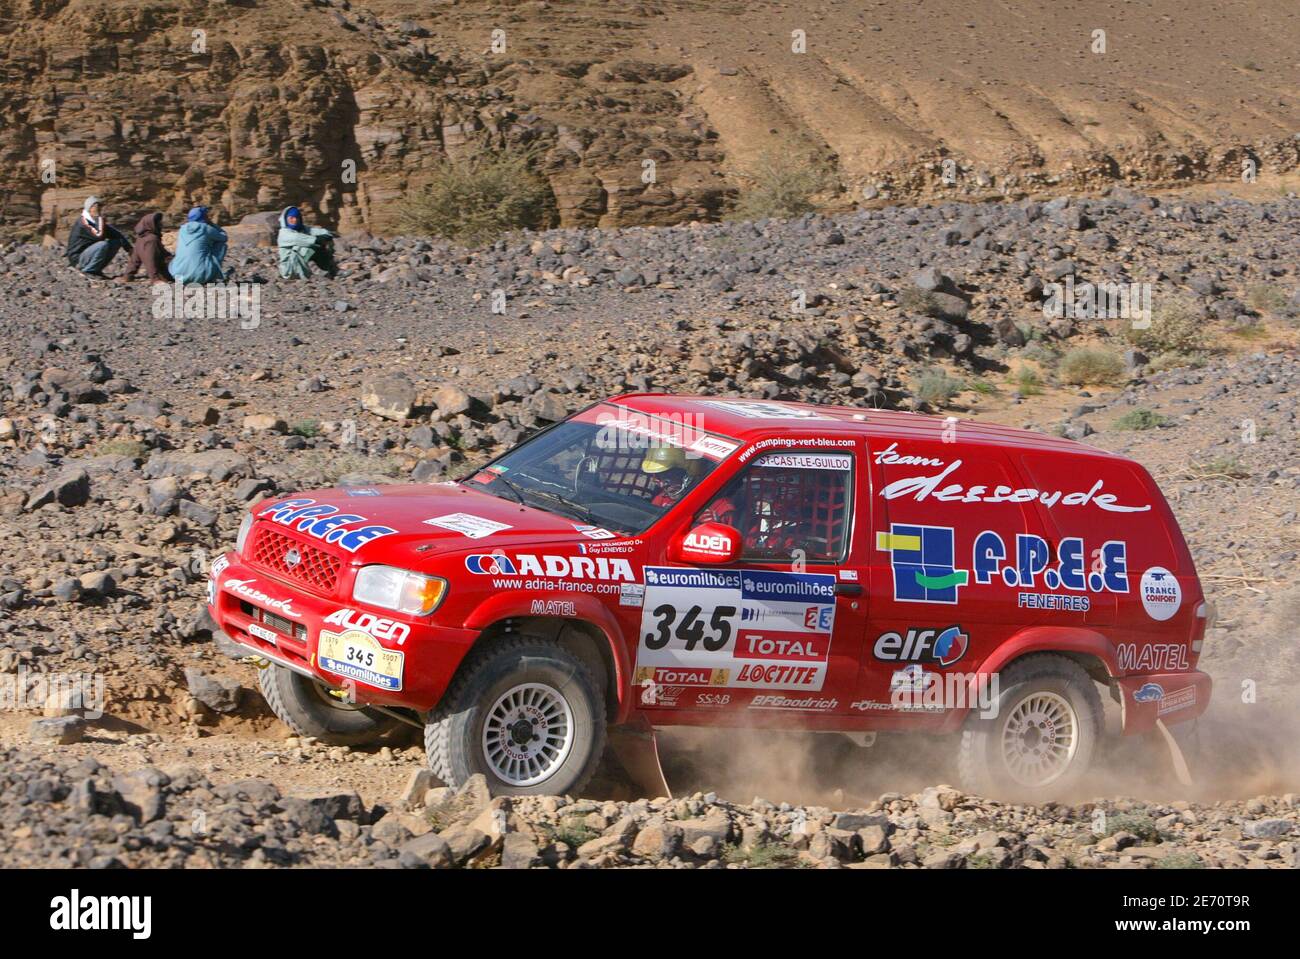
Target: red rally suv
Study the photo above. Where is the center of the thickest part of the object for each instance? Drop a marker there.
(657, 560)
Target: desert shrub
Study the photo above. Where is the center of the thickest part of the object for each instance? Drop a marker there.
(1182, 859)
(122, 447)
(1176, 327)
(766, 855)
(937, 387)
(1139, 824)
(1039, 352)
(476, 202)
(1266, 299)
(782, 183)
(1172, 361)
(1222, 467)
(1087, 365)
(1140, 418)
(1026, 381)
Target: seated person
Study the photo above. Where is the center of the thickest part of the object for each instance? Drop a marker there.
(92, 243)
(200, 249)
(148, 251)
(301, 247)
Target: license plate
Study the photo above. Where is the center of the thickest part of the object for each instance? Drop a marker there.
(262, 633)
(355, 655)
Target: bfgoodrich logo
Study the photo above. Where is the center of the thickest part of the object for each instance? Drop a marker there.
(73, 913)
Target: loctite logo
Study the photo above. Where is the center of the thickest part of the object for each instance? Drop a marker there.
(941, 646)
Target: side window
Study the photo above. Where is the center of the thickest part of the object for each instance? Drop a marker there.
(787, 504)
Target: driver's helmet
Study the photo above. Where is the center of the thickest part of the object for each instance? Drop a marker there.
(670, 469)
(659, 459)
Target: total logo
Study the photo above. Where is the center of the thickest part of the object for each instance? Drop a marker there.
(372, 625)
(942, 647)
(553, 567)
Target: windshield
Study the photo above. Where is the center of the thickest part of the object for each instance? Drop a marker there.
(608, 467)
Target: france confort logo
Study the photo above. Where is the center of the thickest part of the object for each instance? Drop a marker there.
(923, 561)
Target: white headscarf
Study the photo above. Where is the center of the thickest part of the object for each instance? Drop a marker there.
(95, 223)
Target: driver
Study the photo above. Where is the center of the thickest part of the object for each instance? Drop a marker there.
(672, 473)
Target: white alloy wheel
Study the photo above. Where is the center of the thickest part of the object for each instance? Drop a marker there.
(528, 734)
(1040, 738)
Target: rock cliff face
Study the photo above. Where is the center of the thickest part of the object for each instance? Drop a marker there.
(342, 107)
(285, 102)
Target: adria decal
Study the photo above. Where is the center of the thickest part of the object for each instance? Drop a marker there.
(596, 575)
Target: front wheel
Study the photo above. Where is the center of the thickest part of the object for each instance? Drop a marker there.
(526, 713)
(309, 708)
(1041, 736)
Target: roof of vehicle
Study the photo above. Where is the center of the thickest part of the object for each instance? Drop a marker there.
(728, 416)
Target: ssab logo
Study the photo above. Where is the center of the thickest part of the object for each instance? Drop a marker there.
(922, 558)
(492, 565)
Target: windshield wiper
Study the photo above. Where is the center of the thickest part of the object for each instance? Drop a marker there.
(515, 491)
(582, 512)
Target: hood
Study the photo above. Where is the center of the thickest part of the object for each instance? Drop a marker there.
(467, 521)
(284, 215)
(149, 223)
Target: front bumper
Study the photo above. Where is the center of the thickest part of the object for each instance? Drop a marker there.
(1168, 697)
(277, 621)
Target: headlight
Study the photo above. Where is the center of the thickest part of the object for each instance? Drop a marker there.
(244, 527)
(399, 589)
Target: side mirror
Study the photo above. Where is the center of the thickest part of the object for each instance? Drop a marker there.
(710, 543)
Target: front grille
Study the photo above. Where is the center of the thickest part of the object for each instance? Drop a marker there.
(281, 625)
(315, 568)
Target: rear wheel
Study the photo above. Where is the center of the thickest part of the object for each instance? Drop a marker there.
(1042, 735)
(307, 707)
(526, 713)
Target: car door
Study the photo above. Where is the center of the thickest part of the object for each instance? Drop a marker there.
(939, 595)
(779, 628)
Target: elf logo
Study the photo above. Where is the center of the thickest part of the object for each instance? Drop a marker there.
(939, 646)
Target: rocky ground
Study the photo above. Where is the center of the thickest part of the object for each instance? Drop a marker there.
(131, 440)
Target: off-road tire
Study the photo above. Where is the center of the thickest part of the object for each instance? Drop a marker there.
(300, 704)
(981, 764)
(453, 734)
